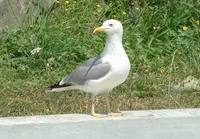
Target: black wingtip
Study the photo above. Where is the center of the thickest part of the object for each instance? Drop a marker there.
(56, 85)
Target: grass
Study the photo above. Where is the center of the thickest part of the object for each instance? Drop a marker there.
(155, 32)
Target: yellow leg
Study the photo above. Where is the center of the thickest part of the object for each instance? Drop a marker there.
(118, 110)
(93, 110)
(118, 113)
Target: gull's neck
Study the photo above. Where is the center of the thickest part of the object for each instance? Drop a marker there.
(114, 45)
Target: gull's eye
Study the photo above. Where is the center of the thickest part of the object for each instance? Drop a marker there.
(110, 25)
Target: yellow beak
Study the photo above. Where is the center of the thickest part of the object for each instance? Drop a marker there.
(99, 29)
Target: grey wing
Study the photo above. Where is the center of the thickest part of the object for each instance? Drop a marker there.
(91, 69)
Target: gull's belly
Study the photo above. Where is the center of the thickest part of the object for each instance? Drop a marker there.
(119, 72)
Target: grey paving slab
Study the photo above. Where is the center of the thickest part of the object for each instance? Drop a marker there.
(157, 124)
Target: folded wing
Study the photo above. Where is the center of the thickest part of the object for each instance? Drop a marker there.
(92, 69)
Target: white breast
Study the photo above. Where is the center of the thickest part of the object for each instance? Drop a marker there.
(120, 67)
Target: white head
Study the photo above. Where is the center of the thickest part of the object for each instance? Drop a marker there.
(110, 27)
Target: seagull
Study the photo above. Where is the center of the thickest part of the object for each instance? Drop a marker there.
(102, 73)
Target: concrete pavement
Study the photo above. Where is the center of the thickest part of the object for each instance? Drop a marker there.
(151, 124)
